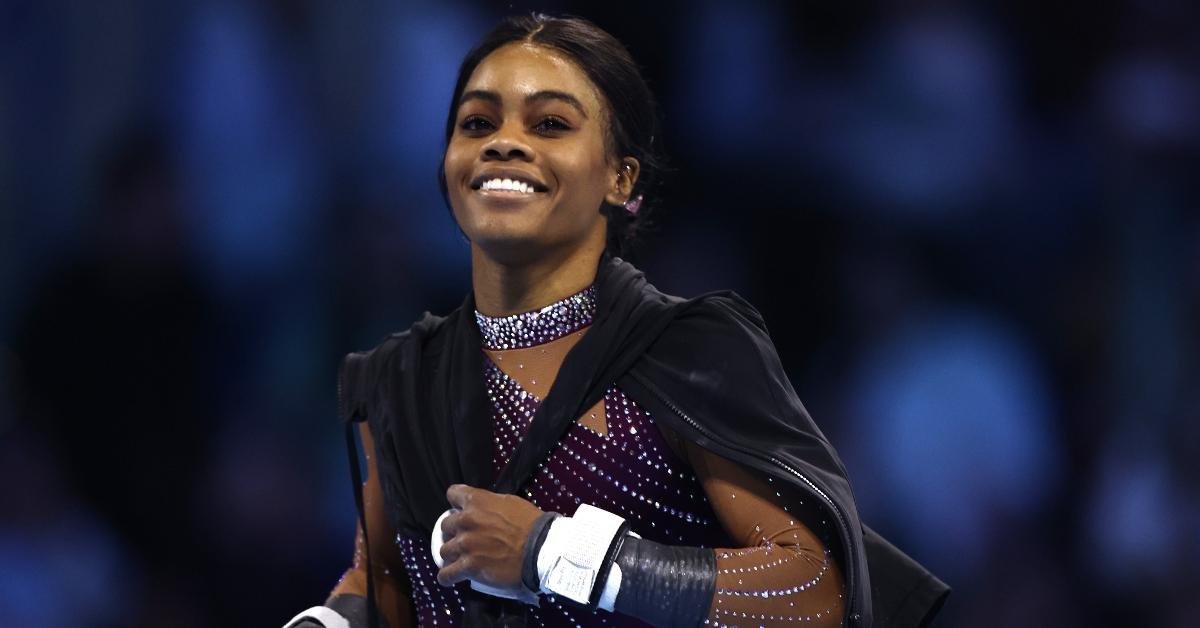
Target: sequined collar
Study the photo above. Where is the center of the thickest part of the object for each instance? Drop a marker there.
(543, 325)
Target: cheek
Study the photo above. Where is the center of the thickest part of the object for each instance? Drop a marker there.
(455, 166)
(454, 162)
(588, 176)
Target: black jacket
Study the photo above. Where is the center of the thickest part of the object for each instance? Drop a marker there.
(705, 367)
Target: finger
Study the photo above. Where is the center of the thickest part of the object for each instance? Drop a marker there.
(459, 495)
(451, 524)
(455, 572)
(451, 550)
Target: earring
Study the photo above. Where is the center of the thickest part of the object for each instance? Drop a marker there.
(633, 205)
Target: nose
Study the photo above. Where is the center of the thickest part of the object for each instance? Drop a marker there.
(506, 146)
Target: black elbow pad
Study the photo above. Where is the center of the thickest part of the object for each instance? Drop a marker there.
(665, 585)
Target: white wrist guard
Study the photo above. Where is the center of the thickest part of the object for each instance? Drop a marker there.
(612, 586)
(574, 556)
(327, 616)
(571, 558)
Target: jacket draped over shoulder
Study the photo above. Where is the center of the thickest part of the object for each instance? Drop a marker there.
(705, 367)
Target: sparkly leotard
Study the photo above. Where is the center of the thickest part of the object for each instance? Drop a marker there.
(646, 474)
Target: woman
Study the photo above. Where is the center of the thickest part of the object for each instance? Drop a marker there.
(571, 446)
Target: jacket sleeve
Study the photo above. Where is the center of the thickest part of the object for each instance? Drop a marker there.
(714, 376)
(782, 571)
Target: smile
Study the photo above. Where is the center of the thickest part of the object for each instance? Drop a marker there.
(507, 185)
(507, 182)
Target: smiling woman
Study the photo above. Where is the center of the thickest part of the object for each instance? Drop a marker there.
(559, 104)
(571, 446)
(528, 114)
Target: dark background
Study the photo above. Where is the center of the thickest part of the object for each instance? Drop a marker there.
(973, 233)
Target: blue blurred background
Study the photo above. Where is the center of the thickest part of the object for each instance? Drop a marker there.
(974, 234)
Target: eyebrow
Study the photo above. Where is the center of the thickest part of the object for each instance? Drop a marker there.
(545, 94)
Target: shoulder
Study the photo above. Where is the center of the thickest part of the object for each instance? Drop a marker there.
(360, 371)
(425, 328)
(725, 307)
(718, 352)
(717, 323)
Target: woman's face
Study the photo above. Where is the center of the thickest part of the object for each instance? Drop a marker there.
(527, 167)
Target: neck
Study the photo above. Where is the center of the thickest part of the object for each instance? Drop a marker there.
(503, 289)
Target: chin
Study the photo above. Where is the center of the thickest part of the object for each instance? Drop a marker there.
(512, 251)
(516, 240)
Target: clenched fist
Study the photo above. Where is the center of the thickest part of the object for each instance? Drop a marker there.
(485, 539)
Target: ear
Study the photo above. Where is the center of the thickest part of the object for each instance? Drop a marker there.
(622, 186)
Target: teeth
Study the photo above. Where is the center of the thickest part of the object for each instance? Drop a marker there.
(507, 184)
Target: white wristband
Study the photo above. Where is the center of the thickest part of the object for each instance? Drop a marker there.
(612, 586)
(569, 559)
(574, 550)
(327, 616)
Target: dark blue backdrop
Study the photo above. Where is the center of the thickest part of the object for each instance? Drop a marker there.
(973, 233)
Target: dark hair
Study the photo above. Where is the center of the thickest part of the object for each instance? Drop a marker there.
(633, 128)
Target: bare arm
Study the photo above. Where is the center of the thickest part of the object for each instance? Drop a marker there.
(392, 589)
(781, 572)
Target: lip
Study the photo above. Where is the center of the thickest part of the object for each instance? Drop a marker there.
(506, 199)
(507, 173)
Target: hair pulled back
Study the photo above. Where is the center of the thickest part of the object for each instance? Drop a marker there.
(633, 123)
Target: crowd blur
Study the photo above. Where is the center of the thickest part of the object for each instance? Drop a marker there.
(974, 235)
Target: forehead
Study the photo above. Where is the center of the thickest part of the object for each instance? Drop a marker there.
(519, 69)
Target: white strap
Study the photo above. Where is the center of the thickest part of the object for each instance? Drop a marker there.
(327, 616)
(571, 555)
(436, 540)
(612, 586)
(574, 551)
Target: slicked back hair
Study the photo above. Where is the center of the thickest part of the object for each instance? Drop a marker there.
(632, 112)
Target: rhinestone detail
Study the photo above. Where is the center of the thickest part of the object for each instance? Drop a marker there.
(539, 326)
(631, 472)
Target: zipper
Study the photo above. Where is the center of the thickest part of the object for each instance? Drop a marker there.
(843, 528)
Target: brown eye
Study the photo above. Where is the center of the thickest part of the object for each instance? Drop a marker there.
(552, 124)
(475, 124)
